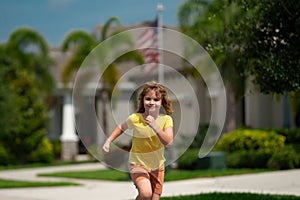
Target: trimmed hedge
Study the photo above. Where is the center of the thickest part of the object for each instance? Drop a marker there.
(188, 160)
(286, 158)
(247, 148)
(292, 134)
(250, 140)
(43, 154)
(248, 159)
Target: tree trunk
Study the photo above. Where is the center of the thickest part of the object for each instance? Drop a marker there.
(104, 97)
(230, 124)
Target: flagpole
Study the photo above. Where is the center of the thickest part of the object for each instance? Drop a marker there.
(160, 8)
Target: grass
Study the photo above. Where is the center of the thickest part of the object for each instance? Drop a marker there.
(106, 174)
(115, 175)
(232, 196)
(21, 184)
(37, 165)
(4, 183)
(171, 175)
(174, 175)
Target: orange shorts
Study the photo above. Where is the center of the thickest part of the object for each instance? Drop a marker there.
(156, 177)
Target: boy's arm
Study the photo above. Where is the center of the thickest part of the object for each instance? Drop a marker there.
(165, 136)
(115, 133)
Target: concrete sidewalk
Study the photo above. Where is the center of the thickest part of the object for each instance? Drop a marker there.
(278, 182)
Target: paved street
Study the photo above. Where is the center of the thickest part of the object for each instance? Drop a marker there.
(278, 182)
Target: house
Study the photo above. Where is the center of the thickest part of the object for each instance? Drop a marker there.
(195, 101)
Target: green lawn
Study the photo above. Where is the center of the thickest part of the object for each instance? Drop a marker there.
(38, 165)
(107, 174)
(115, 175)
(21, 184)
(232, 196)
(174, 175)
(171, 175)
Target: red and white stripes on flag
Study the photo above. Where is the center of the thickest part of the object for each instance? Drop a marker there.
(148, 44)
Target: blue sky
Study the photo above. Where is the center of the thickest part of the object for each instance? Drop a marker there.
(55, 18)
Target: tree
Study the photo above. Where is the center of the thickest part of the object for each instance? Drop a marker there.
(30, 50)
(270, 38)
(211, 23)
(7, 109)
(24, 115)
(29, 124)
(81, 43)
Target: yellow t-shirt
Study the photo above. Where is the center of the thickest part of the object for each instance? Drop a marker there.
(147, 149)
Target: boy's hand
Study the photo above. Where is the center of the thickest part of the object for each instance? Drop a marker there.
(151, 122)
(106, 146)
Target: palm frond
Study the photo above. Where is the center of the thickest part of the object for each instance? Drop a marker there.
(78, 39)
(107, 25)
(23, 37)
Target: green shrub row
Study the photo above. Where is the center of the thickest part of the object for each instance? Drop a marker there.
(42, 154)
(292, 135)
(188, 160)
(286, 158)
(246, 148)
(250, 140)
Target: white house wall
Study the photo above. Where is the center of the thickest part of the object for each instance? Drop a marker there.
(265, 111)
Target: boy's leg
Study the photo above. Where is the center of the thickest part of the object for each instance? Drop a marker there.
(155, 196)
(144, 188)
(141, 180)
(157, 180)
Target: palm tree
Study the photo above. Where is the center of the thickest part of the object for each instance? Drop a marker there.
(211, 23)
(82, 43)
(27, 81)
(30, 51)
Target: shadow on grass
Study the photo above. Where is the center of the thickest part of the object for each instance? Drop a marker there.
(232, 196)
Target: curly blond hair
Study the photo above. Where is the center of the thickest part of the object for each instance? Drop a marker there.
(160, 92)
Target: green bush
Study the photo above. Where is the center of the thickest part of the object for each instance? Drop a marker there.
(251, 149)
(250, 140)
(28, 126)
(286, 158)
(188, 160)
(5, 157)
(201, 134)
(296, 147)
(292, 134)
(56, 145)
(248, 159)
(43, 153)
(247, 148)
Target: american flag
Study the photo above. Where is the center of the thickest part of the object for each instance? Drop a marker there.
(148, 44)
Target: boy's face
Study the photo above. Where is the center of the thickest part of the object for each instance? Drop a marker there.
(152, 102)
